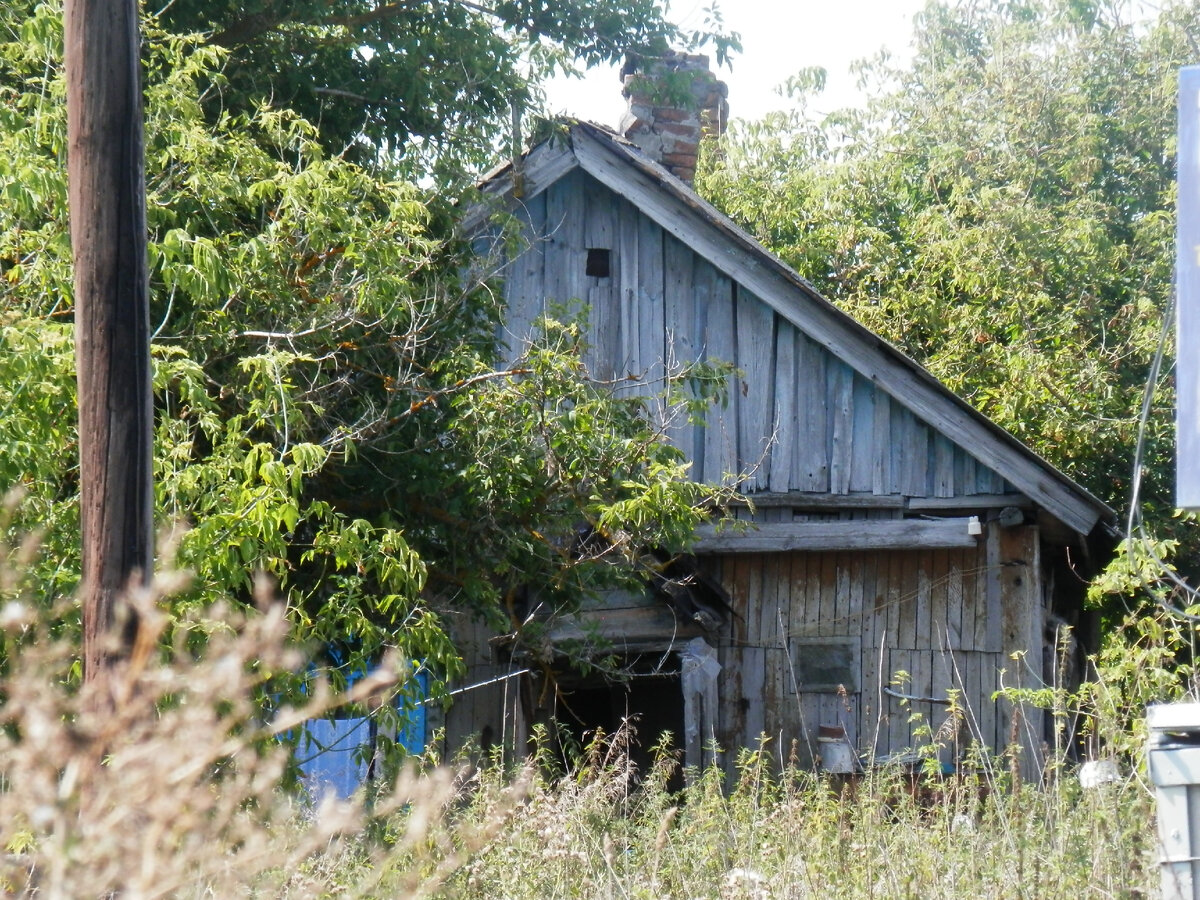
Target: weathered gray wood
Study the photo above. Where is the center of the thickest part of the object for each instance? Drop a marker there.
(967, 579)
(910, 455)
(621, 627)
(943, 467)
(524, 279)
(952, 603)
(784, 426)
(885, 534)
(599, 233)
(923, 632)
(683, 344)
(650, 286)
(802, 500)
(827, 614)
(1023, 620)
(964, 472)
(564, 257)
(994, 596)
(841, 406)
(754, 670)
(630, 363)
(906, 627)
(972, 501)
(810, 455)
(716, 322)
(544, 165)
(756, 389)
(862, 468)
(739, 256)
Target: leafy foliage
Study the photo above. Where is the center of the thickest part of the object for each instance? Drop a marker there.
(1003, 212)
(327, 408)
(427, 81)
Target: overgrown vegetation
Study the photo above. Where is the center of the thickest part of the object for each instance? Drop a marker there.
(170, 784)
(332, 412)
(331, 405)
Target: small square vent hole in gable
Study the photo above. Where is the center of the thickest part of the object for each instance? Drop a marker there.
(599, 262)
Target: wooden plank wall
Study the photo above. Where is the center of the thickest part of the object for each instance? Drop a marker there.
(797, 418)
(947, 619)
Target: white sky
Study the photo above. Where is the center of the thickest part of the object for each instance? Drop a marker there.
(779, 38)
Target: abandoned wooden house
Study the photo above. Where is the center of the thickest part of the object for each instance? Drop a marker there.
(901, 547)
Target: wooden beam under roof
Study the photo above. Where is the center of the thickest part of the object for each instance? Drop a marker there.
(875, 534)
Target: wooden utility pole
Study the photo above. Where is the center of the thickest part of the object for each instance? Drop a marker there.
(107, 197)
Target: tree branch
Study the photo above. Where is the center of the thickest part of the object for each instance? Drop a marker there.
(245, 30)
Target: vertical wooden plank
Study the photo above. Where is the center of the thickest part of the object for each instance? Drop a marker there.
(991, 724)
(682, 344)
(895, 597)
(910, 452)
(980, 581)
(629, 353)
(968, 560)
(944, 644)
(599, 233)
(964, 472)
(651, 288)
(731, 711)
(873, 601)
(839, 623)
(906, 630)
(753, 566)
(810, 459)
(841, 404)
(954, 599)
(775, 609)
(1022, 631)
(755, 357)
(856, 615)
(883, 480)
(777, 586)
(557, 244)
(785, 427)
(524, 280)
(715, 322)
(922, 630)
(829, 590)
(939, 618)
(862, 466)
(753, 692)
(993, 598)
(899, 731)
(943, 466)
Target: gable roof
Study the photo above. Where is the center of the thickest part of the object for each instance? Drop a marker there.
(681, 212)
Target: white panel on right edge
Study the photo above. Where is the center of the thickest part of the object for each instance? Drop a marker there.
(1187, 275)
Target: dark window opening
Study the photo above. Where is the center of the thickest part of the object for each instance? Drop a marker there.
(599, 263)
(653, 703)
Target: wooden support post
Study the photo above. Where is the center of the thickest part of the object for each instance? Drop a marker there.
(107, 201)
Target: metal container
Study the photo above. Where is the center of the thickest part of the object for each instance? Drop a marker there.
(1174, 760)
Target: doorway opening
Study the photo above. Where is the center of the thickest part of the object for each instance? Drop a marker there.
(644, 695)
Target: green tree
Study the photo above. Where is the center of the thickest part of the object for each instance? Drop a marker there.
(423, 81)
(1002, 211)
(328, 407)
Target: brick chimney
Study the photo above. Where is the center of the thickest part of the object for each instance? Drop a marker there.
(675, 102)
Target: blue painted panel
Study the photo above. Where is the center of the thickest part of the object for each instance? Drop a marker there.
(333, 753)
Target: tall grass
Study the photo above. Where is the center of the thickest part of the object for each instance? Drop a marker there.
(169, 782)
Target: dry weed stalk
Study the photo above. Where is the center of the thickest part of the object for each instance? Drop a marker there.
(165, 778)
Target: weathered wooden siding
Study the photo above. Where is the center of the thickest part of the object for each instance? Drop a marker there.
(797, 418)
(936, 616)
